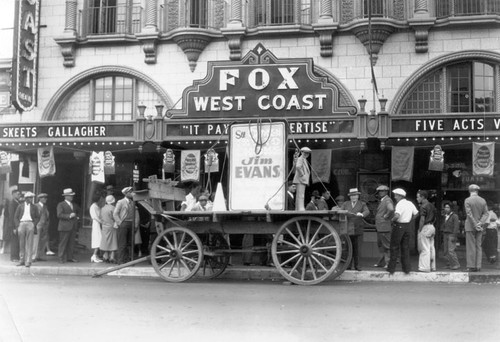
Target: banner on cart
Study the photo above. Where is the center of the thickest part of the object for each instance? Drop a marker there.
(483, 159)
(257, 166)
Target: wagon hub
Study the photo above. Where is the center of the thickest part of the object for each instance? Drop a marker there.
(176, 254)
(305, 250)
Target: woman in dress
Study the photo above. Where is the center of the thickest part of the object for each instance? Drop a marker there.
(109, 240)
(95, 215)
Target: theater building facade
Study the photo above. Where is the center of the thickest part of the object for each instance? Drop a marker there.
(402, 93)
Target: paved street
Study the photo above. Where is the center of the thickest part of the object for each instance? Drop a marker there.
(55, 309)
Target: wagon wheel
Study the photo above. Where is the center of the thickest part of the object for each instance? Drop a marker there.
(214, 261)
(306, 250)
(346, 256)
(176, 254)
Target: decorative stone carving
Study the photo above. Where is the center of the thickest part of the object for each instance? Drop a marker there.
(148, 41)
(67, 45)
(347, 11)
(379, 34)
(192, 42)
(421, 27)
(234, 37)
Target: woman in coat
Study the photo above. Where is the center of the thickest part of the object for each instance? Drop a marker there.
(95, 215)
(109, 240)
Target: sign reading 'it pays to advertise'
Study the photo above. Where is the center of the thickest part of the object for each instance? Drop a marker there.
(261, 85)
(24, 68)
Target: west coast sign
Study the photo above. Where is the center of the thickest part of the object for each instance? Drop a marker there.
(25, 62)
(261, 85)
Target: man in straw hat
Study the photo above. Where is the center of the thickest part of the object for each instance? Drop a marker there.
(385, 211)
(356, 211)
(301, 177)
(68, 215)
(476, 210)
(404, 213)
(26, 217)
(125, 215)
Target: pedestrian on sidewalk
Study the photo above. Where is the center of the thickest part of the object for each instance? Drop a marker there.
(126, 218)
(426, 233)
(26, 218)
(450, 227)
(109, 240)
(68, 215)
(10, 234)
(356, 211)
(3, 205)
(42, 236)
(96, 236)
(476, 212)
(404, 213)
(490, 240)
(383, 217)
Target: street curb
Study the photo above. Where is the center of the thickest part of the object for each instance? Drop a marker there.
(261, 273)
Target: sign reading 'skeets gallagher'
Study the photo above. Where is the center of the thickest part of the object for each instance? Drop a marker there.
(24, 66)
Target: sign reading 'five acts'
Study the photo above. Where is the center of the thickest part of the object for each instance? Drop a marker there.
(257, 166)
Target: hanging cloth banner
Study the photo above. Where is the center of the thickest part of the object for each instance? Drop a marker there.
(27, 174)
(46, 162)
(4, 163)
(483, 159)
(96, 167)
(211, 161)
(436, 161)
(169, 161)
(109, 163)
(402, 163)
(190, 165)
(321, 162)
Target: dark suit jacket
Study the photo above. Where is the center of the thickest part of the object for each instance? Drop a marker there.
(290, 202)
(63, 211)
(35, 215)
(355, 223)
(12, 206)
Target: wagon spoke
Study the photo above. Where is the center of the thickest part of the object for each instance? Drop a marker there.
(165, 263)
(164, 249)
(185, 265)
(290, 259)
(175, 240)
(172, 268)
(189, 259)
(325, 248)
(187, 245)
(302, 240)
(316, 234)
(304, 264)
(291, 244)
(313, 270)
(324, 256)
(296, 265)
(322, 239)
(293, 236)
(288, 251)
(168, 242)
(190, 252)
(182, 238)
(319, 263)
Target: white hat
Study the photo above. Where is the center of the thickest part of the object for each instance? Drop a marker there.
(306, 149)
(472, 187)
(110, 199)
(382, 188)
(126, 190)
(68, 192)
(400, 192)
(353, 191)
(29, 194)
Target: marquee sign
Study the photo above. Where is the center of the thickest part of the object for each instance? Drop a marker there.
(64, 131)
(453, 124)
(261, 85)
(25, 62)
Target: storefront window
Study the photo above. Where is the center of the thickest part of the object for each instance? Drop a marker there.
(273, 12)
(113, 98)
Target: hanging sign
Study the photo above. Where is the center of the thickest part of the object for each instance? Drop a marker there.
(257, 166)
(190, 165)
(109, 163)
(169, 161)
(211, 161)
(96, 167)
(402, 163)
(483, 159)
(24, 66)
(436, 161)
(46, 162)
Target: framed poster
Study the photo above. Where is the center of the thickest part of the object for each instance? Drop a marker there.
(257, 166)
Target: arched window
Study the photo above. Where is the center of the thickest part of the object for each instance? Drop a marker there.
(464, 87)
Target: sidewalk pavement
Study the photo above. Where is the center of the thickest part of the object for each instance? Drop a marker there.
(490, 273)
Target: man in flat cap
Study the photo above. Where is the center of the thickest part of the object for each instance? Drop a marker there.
(26, 218)
(476, 210)
(42, 228)
(383, 217)
(404, 212)
(68, 214)
(301, 177)
(125, 215)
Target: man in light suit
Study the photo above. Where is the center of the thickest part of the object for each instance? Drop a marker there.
(301, 177)
(383, 223)
(356, 211)
(41, 238)
(26, 217)
(476, 210)
(125, 215)
(68, 215)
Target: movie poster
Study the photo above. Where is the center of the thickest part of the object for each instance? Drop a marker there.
(190, 165)
(46, 162)
(483, 159)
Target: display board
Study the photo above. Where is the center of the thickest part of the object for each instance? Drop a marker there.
(257, 166)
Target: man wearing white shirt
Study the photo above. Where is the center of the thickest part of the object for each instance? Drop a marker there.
(26, 218)
(405, 211)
